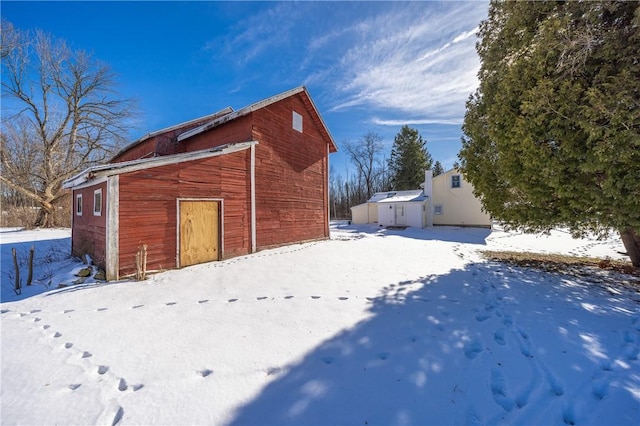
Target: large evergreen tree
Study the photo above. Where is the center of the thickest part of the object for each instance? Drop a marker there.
(409, 160)
(552, 135)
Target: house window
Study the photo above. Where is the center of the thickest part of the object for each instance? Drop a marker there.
(97, 202)
(455, 181)
(79, 205)
(437, 209)
(297, 122)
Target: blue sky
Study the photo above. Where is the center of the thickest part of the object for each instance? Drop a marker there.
(369, 66)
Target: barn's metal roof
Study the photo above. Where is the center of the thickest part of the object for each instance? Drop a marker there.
(414, 195)
(205, 118)
(256, 106)
(146, 163)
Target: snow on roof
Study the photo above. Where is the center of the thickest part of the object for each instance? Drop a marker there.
(414, 195)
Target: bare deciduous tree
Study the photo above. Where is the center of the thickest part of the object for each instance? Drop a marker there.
(60, 115)
(365, 155)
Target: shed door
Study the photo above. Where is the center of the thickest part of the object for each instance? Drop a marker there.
(199, 232)
(401, 218)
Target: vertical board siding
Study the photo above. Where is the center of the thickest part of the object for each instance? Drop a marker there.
(290, 175)
(89, 231)
(238, 130)
(148, 210)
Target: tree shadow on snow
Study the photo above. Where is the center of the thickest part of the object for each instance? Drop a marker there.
(438, 354)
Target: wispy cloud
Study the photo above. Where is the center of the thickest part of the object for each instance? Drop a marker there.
(256, 35)
(425, 69)
(393, 59)
(413, 120)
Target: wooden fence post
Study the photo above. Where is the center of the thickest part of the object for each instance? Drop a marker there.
(30, 276)
(17, 287)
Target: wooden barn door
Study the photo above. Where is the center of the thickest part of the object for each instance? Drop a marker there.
(199, 231)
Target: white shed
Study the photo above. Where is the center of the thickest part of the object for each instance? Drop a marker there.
(393, 208)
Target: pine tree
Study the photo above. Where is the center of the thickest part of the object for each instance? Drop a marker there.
(552, 135)
(409, 160)
(437, 169)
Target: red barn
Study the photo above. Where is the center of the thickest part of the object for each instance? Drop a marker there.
(212, 188)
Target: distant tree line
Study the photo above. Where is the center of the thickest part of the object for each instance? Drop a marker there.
(373, 173)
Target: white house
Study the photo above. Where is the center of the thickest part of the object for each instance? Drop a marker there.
(454, 202)
(446, 199)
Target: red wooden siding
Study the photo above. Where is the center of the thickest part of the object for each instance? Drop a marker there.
(158, 145)
(238, 130)
(89, 231)
(148, 210)
(291, 175)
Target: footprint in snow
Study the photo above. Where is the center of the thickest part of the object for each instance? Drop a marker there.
(103, 369)
(261, 297)
(68, 345)
(315, 297)
(274, 370)
(288, 297)
(118, 416)
(203, 301)
(74, 386)
(35, 311)
(232, 300)
(472, 349)
(600, 388)
(137, 306)
(56, 335)
(171, 303)
(500, 337)
(102, 309)
(46, 326)
(36, 320)
(483, 316)
(86, 354)
(508, 320)
(499, 390)
(66, 311)
(4, 311)
(569, 415)
(122, 385)
(343, 298)
(327, 360)
(631, 352)
(204, 373)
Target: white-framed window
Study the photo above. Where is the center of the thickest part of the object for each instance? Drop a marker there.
(437, 209)
(297, 122)
(97, 202)
(78, 204)
(455, 181)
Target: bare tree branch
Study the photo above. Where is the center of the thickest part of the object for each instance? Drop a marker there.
(60, 114)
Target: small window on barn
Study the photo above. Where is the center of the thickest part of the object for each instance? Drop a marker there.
(79, 205)
(97, 202)
(455, 181)
(297, 122)
(437, 209)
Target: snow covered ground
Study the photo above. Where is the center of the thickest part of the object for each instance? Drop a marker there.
(372, 327)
